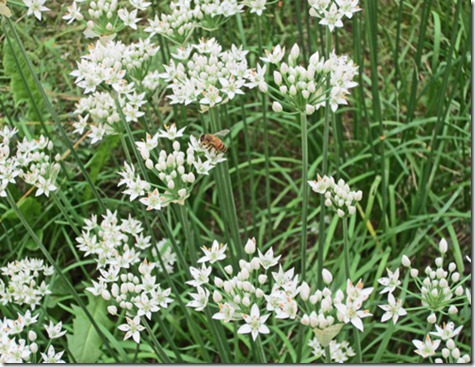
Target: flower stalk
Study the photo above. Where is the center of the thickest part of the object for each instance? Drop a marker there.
(225, 193)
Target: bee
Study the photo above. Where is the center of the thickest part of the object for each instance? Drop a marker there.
(213, 141)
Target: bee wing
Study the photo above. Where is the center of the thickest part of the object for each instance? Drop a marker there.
(221, 133)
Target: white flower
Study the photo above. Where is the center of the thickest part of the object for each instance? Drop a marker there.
(200, 276)
(358, 293)
(276, 56)
(427, 348)
(129, 19)
(351, 313)
(391, 282)
(268, 260)
(447, 331)
(226, 312)
(74, 13)
(52, 356)
(393, 309)
(36, 7)
(213, 254)
(255, 323)
(171, 132)
(54, 331)
(153, 200)
(200, 299)
(132, 328)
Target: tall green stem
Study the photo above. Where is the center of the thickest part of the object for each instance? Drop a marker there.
(225, 193)
(305, 191)
(346, 250)
(183, 215)
(326, 133)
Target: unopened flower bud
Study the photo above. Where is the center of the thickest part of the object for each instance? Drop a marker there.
(262, 278)
(455, 277)
(228, 269)
(450, 344)
(34, 347)
(432, 318)
(456, 353)
(295, 52)
(459, 290)
(405, 261)
(217, 297)
(246, 301)
(445, 352)
(453, 310)
(218, 282)
(277, 77)
(309, 109)
(305, 320)
(237, 299)
(259, 293)
(414, 273)
(106, 295)
(112, 310)
(250, 247)
(327, 276)
(32, 335)
(304, 291)
(443, 246)
(255, 264)
(438, 261)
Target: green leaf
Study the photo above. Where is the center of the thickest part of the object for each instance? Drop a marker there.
(30, 208)
(84, 342)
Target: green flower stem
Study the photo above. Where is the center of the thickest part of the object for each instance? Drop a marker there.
(305, 191)
(328, 356)
(346, 250)
(50, 259)
(266, 139)
(260, 351)
(164, 329)
(163, 358)
(219, 337)
(326, 133)
(190, 241)
(225, 194)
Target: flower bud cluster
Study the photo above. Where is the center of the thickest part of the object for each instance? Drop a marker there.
(331, 12)
(126, 281)
(240, 294)
(441, 288)
(450, 353)
(334, 309)
(31, 162)
(106, 18)
(179, 23)
(19, 341)
(25, 282)
(337, 195)
(207, 75)
(297, 88)
(177, 171)
(339, 352)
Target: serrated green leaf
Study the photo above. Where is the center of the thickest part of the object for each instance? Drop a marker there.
(84, 342)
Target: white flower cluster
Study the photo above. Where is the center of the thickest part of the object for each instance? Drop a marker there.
(337, 195)
(441, 289)
(179, 24)
(305, 89)
(210, 76)
(186, 15)
(339, 352)
(18, 340)
(331, 12)
(111, 65)
(334, 309)
(32, 163)
(241, 294)
(36, 7)
(124, 277)
(450, 353)
(106, 17)
(178, 171)
(25, 283)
